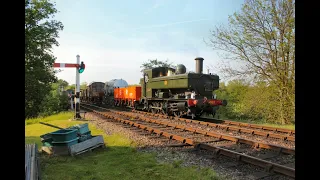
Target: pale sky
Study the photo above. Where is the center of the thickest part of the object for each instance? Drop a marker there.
(114, 37)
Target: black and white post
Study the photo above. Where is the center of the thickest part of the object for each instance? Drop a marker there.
(77, 91)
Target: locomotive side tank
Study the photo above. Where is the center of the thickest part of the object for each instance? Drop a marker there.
(174, 91)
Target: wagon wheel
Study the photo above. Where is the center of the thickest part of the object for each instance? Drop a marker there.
(177, 114)
(135, 105)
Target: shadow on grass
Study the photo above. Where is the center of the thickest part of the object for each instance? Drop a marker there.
(114, 162)
(82, 120)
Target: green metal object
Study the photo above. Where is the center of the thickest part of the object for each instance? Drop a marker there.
(48, 144)
(46, 139)
(203, 84)
(85, 136)
(177, 92)
(64, 135)
(82, 128)
(65, 143)
(81, 68)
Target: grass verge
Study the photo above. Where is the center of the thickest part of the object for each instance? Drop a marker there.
(287, 126)
(119, 160)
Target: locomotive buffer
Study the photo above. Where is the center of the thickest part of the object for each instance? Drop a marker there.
(79, 69)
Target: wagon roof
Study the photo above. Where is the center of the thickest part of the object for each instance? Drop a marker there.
(94, 82)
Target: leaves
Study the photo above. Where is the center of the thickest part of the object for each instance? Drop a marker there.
(56, 100)
(40, 35)
(155, 63)
(261, 36)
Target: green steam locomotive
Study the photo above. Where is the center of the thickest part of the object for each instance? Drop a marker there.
(177, 92)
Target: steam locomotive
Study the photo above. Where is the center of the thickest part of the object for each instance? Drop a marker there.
(165, 90)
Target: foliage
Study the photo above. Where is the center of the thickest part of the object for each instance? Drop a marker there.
(156, 63)
(40, 35)
(234, 93)
(262, 38)
(56, 101)
(254, 102)
(82, 86)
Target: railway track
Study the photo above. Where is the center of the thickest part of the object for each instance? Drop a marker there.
(272, 158)
(271, 136)
(268, 134)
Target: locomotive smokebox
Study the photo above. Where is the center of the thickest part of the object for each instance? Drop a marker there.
(199, 65)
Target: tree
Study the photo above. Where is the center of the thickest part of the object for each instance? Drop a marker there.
(83, 85)
(155, 63)
(56, 100)
(60, 83)
(262, 38)
(40, 36)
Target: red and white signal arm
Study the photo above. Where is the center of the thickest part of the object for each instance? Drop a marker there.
(65, 65)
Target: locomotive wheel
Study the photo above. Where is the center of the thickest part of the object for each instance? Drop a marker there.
(149, 108)
(154, 111)
(163, 112)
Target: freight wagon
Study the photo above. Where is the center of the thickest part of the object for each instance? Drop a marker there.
(95, 92)
(109, 88)
(127, 96)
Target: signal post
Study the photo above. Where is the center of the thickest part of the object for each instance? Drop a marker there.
(79, 69)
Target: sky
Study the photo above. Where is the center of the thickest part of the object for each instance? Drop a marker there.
(114, 37)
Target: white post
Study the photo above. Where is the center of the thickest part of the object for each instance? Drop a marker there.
(77, 91)
(71, 102)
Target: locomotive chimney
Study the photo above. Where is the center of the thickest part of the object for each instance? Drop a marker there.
(199, 65)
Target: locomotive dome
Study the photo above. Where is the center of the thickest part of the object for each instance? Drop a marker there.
(181, 69)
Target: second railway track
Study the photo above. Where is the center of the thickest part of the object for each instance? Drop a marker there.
(273, 158)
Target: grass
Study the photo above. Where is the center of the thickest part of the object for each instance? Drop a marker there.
(60, 116)
(119, 160)
(263, 123)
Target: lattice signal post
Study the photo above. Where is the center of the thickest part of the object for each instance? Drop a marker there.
(79, 69)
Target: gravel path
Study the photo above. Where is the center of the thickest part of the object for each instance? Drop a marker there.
(185, 156)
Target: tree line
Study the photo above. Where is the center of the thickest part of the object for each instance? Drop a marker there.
(260, 39)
